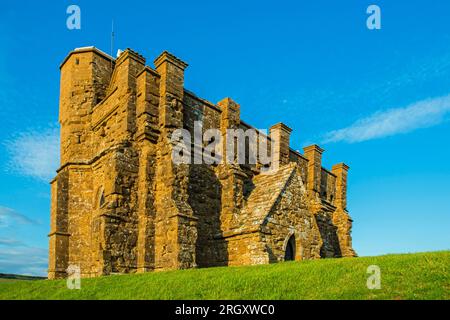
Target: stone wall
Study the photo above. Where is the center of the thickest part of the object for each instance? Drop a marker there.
(291, 216)
(205, 192)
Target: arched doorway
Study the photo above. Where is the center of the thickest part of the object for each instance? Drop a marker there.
(289, 254)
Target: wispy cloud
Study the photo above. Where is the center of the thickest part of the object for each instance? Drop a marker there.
(34, 154)
(10, 242)
(23, 260)
(16, 255)
(422, 114)
(9, 217)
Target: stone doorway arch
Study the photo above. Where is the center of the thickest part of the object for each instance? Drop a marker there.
(289, 251)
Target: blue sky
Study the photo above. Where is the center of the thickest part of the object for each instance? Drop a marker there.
(375, 99)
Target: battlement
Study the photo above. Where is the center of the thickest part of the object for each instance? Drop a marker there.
(87, 49)
(167, 56)
(110, 120)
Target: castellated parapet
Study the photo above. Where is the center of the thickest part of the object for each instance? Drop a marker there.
(119, 204)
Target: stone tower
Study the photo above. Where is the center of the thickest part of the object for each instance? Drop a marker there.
(120, 204)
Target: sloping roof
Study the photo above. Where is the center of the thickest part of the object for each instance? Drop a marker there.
(267, 189)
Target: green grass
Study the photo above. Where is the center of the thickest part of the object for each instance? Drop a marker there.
(407, 276)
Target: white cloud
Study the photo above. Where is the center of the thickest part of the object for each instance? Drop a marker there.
(422, 114)
(17, 256)
(34, 154)
(10, 217)
(10, 242)
(24, 260)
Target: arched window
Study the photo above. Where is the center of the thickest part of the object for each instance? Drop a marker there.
(289, 254)
(101, 198)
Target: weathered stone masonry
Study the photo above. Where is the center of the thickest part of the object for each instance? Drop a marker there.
(119, 204)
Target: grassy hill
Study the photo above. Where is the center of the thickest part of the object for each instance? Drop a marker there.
(14, 277)
(408, 276)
